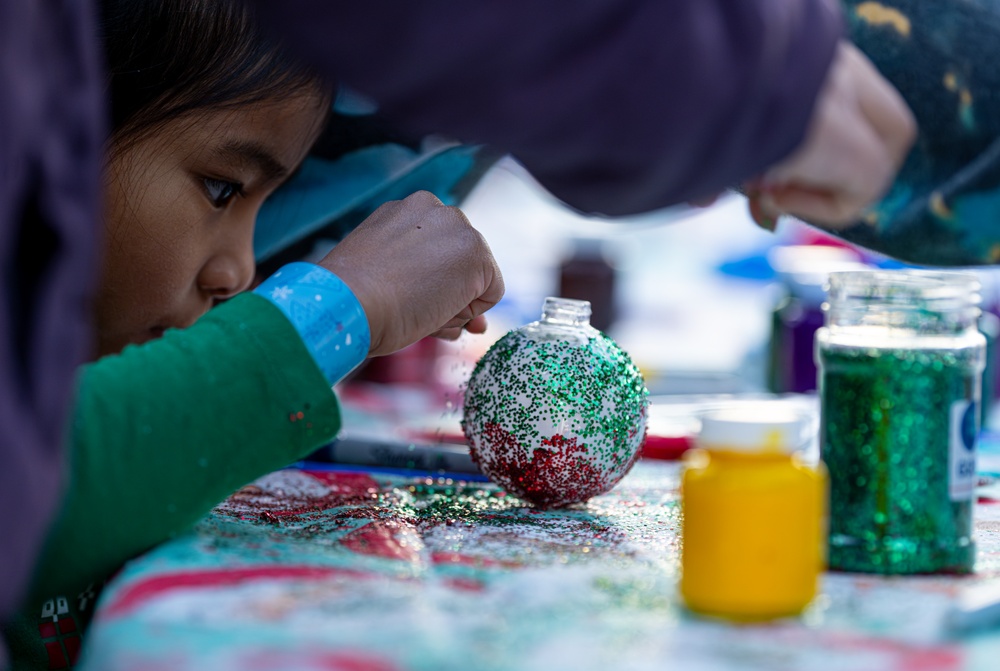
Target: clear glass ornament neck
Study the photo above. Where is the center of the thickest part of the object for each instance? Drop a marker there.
(566, 312)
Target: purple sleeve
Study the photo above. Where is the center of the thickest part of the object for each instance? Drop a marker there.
(50, 142)
(616, 107)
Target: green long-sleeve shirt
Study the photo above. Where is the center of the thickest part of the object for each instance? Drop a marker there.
(161, 433)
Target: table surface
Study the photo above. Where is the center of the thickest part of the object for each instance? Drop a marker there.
(362, 571)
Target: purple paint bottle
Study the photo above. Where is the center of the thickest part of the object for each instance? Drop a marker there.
(797, 315)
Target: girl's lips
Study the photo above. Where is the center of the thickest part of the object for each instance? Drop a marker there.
(157, 331)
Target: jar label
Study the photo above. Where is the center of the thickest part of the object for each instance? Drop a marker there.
(962, 450)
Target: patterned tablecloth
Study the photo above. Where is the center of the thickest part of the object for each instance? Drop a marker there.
(356, 571)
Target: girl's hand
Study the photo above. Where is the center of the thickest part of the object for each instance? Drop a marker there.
(418, 268)
(860, 133)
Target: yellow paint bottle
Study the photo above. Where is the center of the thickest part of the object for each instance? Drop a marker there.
(754, 516)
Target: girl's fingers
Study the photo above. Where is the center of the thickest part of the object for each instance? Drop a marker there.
(477, 324)
(456, 325)
(449, 333)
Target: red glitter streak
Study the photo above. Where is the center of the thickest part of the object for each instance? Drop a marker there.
(136, 594)
(907, 657)
(356, 662)
(344, 483)
(469, 560)
(342, 489)
(380, 538)
(465, 584)
(269, 517)
(329, 661)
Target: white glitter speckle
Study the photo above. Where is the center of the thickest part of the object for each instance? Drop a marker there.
(347, 340)
(318, 297)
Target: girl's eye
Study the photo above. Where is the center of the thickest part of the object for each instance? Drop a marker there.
(220, 192)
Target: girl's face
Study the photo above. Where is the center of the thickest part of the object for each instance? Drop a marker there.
(180, 209)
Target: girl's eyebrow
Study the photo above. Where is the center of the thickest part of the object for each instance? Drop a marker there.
(255, 154)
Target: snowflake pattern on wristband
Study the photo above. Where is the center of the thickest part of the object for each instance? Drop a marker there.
(325, 312)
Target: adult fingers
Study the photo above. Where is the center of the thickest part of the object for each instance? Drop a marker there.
(884, 107)
(762, 211)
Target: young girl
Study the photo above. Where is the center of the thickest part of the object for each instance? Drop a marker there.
(209, 118)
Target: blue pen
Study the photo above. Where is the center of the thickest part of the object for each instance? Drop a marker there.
(977, 610)
(391, 453)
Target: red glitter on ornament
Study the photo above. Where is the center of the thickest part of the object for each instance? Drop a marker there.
(554, 475)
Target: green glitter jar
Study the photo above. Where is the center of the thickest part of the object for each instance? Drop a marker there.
(900, 363)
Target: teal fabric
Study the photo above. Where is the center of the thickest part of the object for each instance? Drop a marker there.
(944, 57)
(338, 194)
(340, 570)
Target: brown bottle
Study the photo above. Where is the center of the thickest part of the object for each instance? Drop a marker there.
(586, 274)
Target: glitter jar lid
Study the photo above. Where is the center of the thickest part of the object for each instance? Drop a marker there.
(754, 428)
(909, 302)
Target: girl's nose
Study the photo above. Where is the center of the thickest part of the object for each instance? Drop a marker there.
(228, 272)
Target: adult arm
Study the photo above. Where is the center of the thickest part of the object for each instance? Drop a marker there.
(616, 107)
(51, 130)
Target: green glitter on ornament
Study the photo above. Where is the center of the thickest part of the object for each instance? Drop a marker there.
(555, 411)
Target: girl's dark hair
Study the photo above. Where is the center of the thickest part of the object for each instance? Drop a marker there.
(169, 57)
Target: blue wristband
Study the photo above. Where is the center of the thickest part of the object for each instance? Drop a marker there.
(325, 312)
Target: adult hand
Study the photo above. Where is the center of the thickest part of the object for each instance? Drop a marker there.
(418, 268)
(860, 133)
